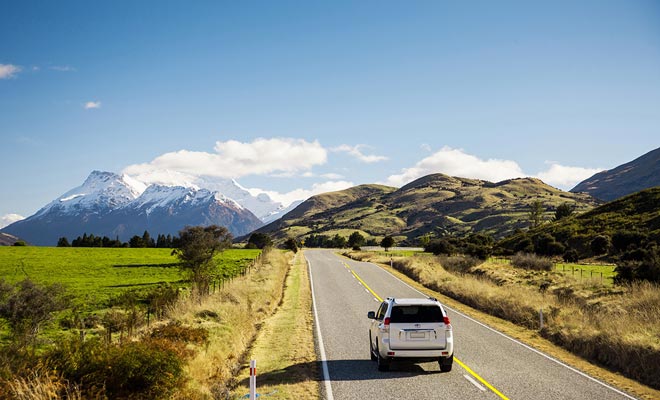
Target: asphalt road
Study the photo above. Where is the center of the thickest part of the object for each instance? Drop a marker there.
(495, 366)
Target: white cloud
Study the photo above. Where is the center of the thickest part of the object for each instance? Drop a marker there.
(357, 153)
(92, 104)
(455, 162)
(332, 176)
(566, 177)
(303, 194)
(9, 219)
(9, 71)
(234, 159)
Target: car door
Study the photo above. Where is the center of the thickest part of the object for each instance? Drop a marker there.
(380, 315)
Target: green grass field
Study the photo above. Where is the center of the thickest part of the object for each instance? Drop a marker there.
(94, 275)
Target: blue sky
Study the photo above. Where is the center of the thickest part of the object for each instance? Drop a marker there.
(322, 94)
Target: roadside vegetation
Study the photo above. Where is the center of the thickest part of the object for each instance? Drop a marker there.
(155, 342)
(612, 326)
(284, 348)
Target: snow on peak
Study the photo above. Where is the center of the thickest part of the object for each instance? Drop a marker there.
(161, 196)
(99, 191)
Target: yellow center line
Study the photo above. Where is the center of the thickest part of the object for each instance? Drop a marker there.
(465, 367)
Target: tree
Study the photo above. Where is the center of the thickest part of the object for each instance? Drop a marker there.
(291, 244)
(28, 306)
(571, 256)
(356, 240)
(440, 246)
(136, 242)
(147, 240)
(564, 210)
(536, 213)
(600, 244)
(387, 242)
(197, 246)
(63, 242)
(338, 242)
(259, 241)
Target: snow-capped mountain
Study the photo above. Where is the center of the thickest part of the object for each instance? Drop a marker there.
(100, 191)
(260, 203)
(108, 204)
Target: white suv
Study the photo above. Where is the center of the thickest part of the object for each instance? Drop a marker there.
(413, 329)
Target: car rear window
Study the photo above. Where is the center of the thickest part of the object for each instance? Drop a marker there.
(404, 314)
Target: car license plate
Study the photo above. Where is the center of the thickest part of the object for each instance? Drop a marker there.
(417, 335)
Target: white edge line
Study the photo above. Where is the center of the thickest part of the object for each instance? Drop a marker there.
(518, 342)
(472, 381)
(324, 361)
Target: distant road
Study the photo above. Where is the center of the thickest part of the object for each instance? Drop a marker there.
(494, 366)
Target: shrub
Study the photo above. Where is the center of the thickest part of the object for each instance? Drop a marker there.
(647, 269)
(175, 332)
(147, 369)
(458, 263)
(531, 261)
(28, 306)
(571, 256)
(600, 244)
(440, 246)
(291, 244)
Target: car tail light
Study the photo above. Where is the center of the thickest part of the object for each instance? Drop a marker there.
(386, 322)
(447, 323)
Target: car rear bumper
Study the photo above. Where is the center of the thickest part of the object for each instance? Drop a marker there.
(418, 354)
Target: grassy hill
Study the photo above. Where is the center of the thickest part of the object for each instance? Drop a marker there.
(436, 204)
(637, 216)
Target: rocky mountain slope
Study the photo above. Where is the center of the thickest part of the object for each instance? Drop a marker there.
(641, 173)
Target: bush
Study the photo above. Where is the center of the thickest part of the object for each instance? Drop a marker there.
(458, 263)
(600, 244)
(175, 332)
(137, 370)
(27, 306)
(291, 244)
(571, 256)
(647, 269)
(531, 262)
(440, 246)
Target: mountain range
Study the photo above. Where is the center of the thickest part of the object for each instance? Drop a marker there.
(113, 205)
(108, 204)
(436, 204)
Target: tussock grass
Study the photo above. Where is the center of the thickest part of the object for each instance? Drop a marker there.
(237, 311)
(620, 331)
(40, 385)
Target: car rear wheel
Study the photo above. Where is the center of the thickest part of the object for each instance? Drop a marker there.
(383, 363)
(446, 363)
(371, 349)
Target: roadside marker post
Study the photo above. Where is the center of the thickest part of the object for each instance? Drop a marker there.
(253, 379)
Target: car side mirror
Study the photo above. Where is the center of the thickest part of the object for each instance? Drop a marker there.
(371, 315)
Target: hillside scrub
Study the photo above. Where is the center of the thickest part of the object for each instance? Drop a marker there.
(618, 331)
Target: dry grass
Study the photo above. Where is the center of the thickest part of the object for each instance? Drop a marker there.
(621, 330)
(40, 385)
(232, 317)
(284, 349)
